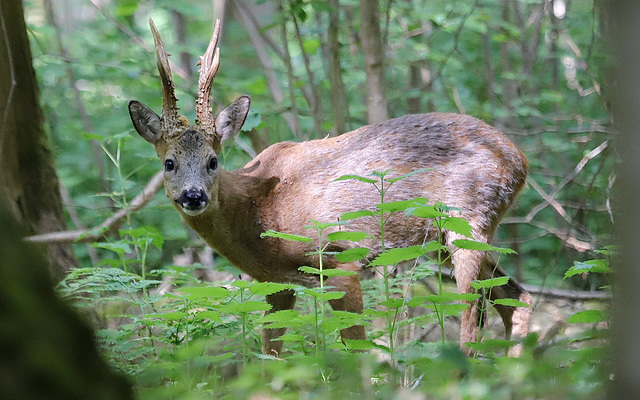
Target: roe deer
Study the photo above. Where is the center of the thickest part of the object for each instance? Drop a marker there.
(471, 165)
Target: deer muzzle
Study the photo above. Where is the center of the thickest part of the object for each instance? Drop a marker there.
(193, 201)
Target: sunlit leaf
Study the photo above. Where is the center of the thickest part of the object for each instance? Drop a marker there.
(473, 245)
(588, 316)
(489, 283)
(354, 254)
(286, 236)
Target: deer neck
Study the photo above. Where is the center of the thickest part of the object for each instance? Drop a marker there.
(232, 222)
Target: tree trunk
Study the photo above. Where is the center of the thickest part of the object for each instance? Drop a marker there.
(338, 93)
(622, 22)
(373, 50)
(29, 187)
(46, 350)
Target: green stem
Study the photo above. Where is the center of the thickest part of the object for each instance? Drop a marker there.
(440, 312)
(322, 304)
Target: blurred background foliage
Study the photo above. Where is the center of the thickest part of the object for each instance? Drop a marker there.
(535, 69)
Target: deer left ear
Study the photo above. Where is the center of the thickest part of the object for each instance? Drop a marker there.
(231, 119)
(146, 122)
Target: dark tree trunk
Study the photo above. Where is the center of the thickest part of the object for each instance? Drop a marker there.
(338, 93)
(622, 23)
(46, 350)
(29, 187)
(373, 50)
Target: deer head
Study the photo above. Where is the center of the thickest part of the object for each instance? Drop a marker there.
(189, 152)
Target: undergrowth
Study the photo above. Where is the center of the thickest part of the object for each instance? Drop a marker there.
(202, 340)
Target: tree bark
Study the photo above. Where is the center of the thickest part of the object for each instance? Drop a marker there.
(622, 23)
(46, 350)
(373, 50)
(29, 187)
(337, 91)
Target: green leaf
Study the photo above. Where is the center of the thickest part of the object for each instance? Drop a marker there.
(267, 288)
(442, 298)
(324, 296)
(473, 245)
(589, 316)
(394, 256)
(489, 283)
(171, 316)
(281, 319)
(240, 284)
(375, 313)
(117, 247)
(212, 315)
(91, 136)
(311, 45)
(354, 254)
(346, 235)
(353, 344)
(323, 225)
(590, 266)
(199, 292)
(418, 171)
(510, 302)
(392, 303)
(458, 225)
(356, 177)
(491, 345)
(145, 233)
(289, 337)
(327, 272)
(356, 214)
(447, 309)
(246, 307)
(401, 205)
(286, 236)
(427, 212)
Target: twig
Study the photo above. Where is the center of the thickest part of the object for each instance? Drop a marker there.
(535, 210)
(575, 295)
(109, 224)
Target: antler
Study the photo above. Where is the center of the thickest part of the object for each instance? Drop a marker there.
(209, 64)
(170, 117)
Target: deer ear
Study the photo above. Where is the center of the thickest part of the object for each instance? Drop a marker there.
(146, 122)
(231, 119)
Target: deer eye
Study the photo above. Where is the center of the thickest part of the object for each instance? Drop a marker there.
(213, 163)
(169, 165)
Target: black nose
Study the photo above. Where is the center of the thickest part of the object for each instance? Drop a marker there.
(193, 199)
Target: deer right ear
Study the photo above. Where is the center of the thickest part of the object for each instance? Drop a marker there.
(146, 122)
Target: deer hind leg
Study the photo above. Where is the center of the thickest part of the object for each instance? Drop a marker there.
(284, 300)
(351, 301)
(515, 319)
(466, 264)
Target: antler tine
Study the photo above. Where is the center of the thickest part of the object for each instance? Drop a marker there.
(169, 99)
(209, 64)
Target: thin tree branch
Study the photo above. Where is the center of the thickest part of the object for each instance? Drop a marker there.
(571, 176)
(109, 224)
